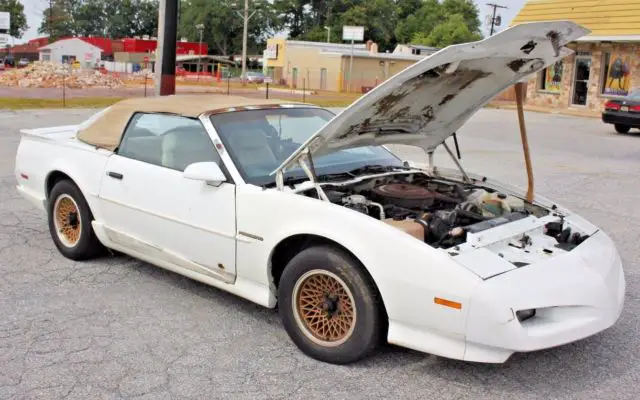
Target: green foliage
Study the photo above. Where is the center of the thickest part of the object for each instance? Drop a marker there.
(18, 19)
(386, 22)
(110, 18)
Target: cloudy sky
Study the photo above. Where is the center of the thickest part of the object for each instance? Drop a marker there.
(35, 8)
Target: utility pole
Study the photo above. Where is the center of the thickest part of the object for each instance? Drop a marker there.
(166, 50)
(246, 17)
(493, 18)
(244, 41)
(200, 28)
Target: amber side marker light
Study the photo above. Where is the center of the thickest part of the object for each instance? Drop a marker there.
(447, 303)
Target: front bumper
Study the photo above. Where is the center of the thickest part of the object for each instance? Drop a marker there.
(576, 295)
(621, 118)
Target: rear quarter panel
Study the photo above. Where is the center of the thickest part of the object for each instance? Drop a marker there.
(39, 156)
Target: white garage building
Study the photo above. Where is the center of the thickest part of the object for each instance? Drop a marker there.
(70, 50)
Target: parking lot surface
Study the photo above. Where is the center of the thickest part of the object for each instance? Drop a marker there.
(119, 328)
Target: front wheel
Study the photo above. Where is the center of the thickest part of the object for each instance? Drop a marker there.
(622, 128)
(329, 306)
(70, 222)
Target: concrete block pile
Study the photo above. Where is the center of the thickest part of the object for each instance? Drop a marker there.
(49, 75)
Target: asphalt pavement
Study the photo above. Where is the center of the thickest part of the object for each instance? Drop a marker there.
(120, 328)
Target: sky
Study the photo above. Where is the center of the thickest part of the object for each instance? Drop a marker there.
(35, 8)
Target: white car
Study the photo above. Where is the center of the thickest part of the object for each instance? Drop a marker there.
(289, 204)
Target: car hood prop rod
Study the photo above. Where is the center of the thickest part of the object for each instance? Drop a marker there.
(520, 88)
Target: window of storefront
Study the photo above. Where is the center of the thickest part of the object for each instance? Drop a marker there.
(581, 79)
(550, 79)
(616, 76)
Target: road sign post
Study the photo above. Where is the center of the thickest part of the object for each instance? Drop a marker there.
(352, 33)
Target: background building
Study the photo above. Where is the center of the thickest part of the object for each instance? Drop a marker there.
(325, 66)
(605, 63)
(70, 50)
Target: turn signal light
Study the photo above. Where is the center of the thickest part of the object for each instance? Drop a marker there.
(447, 303)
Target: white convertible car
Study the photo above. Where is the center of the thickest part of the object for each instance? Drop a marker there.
(288, 204)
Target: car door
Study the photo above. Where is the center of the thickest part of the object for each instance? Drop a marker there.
(152, 210)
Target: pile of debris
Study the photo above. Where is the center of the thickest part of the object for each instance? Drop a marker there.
(42, 74)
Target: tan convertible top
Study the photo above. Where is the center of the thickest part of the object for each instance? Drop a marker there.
(107, 129)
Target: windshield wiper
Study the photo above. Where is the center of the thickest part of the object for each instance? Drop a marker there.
(292, 180)
(376, 168)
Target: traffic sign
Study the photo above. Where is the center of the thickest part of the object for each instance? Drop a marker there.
(5, 21)
(4, 39)
(268, 79)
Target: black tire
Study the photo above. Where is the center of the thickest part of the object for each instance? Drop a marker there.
(87, 245)
(368, 327)
(622, 128)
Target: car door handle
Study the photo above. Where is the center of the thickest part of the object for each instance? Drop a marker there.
(114, 175)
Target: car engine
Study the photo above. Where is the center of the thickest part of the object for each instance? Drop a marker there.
(436, 211)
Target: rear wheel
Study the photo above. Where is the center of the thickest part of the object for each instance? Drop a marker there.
(622, 128)
(70, 222)
(329, 306)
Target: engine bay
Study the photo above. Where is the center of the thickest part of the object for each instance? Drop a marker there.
(440, 212)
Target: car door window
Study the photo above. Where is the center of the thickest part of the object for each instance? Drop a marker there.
(169, 141)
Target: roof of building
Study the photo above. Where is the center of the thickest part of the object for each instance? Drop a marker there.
(189, 57)
(325, 45)
(368, 54)
(607, 19)
(107, 128)
(50, 45)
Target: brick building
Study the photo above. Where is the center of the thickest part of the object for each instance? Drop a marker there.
(606, 63)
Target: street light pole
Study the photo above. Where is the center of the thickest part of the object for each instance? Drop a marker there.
(328, 28)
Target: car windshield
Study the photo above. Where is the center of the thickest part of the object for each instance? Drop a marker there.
(258, 141)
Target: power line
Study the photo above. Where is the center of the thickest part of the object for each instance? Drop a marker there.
(493, 18)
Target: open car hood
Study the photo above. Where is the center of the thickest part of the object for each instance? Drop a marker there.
(428, 101)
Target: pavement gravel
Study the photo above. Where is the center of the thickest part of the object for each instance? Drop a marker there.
(119, 328)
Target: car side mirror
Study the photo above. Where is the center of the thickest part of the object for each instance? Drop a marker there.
(208, 172)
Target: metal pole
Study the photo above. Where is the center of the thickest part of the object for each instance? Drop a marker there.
(228, 84)
(267, 90)
(244, 40)
(199, 52)
(304, 91)
(169, 38)
(351, 67)
(158, 63)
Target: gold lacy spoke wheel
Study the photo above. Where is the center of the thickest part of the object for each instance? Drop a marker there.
(67, 220)
(324, 308)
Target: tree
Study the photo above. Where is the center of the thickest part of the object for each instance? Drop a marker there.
(452, 31)
(18, 19)
(223, 26)
(441, 23)
(111, 18)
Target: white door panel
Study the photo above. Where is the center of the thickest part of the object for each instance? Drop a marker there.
(191, 222)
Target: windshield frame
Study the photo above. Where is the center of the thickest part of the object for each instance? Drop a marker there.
(296, 173)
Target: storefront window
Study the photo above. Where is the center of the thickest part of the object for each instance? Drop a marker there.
(617, 74)
(551, 78)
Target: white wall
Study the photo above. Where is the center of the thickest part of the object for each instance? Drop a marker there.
(118, 66)
(73, 47)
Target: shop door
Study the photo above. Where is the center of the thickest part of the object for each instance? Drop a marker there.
(323, 79)
(581, 80)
